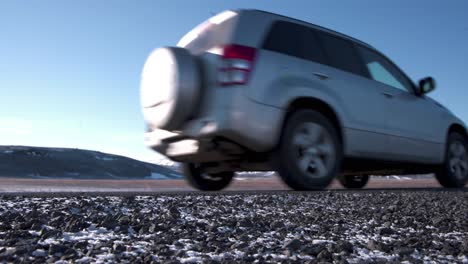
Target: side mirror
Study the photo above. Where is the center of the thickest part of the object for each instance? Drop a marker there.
(426, 85)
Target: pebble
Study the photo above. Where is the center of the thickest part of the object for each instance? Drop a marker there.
(323, 227)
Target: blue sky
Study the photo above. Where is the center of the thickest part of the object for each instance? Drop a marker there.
(70, 70)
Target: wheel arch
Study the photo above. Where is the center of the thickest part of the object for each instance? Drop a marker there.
(455, 127)
(320, 106)
(443, 175)
(459, 128)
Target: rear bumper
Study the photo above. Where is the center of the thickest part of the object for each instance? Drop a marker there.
(252, 126)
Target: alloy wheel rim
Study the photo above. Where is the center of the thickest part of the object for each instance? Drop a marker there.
(458, 160)
(314, 148)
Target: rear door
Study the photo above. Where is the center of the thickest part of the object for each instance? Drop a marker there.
(362, 103)
(281, 60)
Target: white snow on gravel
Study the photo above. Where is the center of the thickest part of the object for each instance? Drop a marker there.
(84, 260)
(397, 177)
(103, 158)
(358, 233)
(39, 253)
(321, 241)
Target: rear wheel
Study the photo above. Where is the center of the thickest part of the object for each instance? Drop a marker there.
(353, 181)
(454, 172)
(203, 181)
(310, 153)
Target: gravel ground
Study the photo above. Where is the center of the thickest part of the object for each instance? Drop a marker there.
(285, 227)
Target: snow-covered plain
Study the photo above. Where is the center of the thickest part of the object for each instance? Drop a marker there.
(330, 226)
(157, 176)
(59, 163)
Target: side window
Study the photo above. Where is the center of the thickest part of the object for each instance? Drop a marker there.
(341, 54)
(312, 47)
(294, 40)
(381, 70)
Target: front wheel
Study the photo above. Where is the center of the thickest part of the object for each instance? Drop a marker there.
(309, 155)
(353, 181)
(203, 181)
(454, 172)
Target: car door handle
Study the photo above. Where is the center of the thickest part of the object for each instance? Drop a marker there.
(388, 95)
(321, 76)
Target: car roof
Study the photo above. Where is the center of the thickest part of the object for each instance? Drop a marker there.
(306, 24)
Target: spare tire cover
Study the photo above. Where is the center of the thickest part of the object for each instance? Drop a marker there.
(169, 88)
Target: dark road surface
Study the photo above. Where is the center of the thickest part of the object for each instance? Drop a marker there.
(12, 185)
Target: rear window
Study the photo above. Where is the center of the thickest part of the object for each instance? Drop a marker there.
(294, 40)
(341, 54)
(213, 32)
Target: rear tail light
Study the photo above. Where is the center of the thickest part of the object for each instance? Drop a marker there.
(238, 62)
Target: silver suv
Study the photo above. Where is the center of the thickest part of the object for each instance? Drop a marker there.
(249, 90)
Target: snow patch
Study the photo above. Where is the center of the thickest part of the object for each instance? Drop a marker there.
(157, 176)
(39, 253)
(396, 177)
(321, 241)
(104, 158)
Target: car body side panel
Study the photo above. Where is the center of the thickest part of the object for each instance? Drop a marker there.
(280, 79)
(418, 127)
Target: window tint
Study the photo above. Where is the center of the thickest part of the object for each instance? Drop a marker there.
(341, 54)
(383, 71)
(294, 40)
(312, 49)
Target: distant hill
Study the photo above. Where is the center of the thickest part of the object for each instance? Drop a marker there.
(40, 162)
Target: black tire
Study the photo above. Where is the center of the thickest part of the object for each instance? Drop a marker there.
(289, 155)
(203, 181)
(353, 181)
(448, 175)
